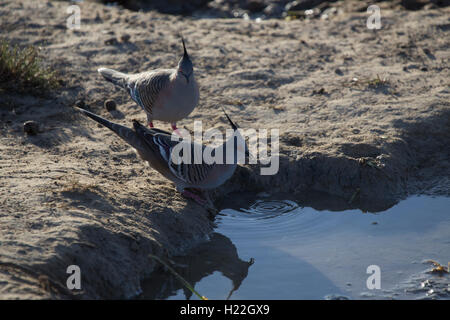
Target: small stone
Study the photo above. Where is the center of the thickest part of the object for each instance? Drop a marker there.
(339, 72)
(125, 37)
(111, 41)
(320, 91)
(31, 127)
(110, 105)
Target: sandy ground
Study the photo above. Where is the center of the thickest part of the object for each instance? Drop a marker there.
(75, 194)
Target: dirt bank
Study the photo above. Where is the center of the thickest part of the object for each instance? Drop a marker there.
(362, 114)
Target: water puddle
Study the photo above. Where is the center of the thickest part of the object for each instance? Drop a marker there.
(315, 248)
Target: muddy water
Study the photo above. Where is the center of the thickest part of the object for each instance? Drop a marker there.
(278, 248)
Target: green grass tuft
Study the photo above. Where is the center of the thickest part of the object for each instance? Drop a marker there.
(182, 280)
(378, 82)
(22, 70)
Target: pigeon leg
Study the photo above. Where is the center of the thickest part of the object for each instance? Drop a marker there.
(194, 196)
(205, 195)
(150, 124)
(208, 204)
(175, 129)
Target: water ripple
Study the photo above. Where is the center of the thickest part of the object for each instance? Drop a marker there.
(263, 219)
(266, 209)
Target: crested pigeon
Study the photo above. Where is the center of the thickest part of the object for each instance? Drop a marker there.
(167, 95)
(156, 146)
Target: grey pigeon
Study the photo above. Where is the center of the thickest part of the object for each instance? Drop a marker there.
(156, 147)
(165, 94)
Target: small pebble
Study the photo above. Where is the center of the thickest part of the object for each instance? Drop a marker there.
(125, 37)
(111, 41)
(110, 105)
(320, 91)
(31, 127)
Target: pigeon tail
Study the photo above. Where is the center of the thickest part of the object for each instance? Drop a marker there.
(125, 133)
(116, 77)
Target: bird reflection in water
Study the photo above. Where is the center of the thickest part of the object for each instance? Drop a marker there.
(218, 254)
